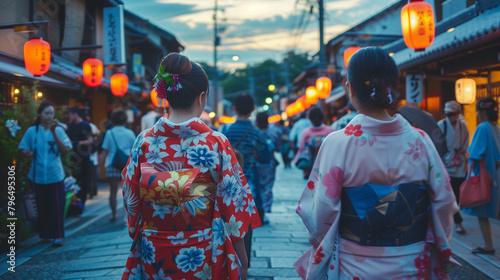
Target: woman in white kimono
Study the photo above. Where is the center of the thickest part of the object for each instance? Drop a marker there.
(378, 203)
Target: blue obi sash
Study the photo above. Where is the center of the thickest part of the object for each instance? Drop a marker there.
(377, 215)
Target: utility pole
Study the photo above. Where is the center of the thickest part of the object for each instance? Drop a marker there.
(286, 62)
(322, 54)
(216, 72)
(251, 81)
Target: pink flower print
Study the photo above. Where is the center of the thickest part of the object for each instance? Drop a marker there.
(301, 271)
(333, 182)
(298, 207)
(417, 149)
(423, 264)
(318, 256)
(356, 130)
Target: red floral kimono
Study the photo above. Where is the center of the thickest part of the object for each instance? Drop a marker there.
(187, 201)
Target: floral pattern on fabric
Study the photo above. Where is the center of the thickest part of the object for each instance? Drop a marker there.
(187, 201)
(343, 162)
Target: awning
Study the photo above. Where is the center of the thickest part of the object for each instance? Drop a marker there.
(20, 73)
(464, 36)
(336, 93)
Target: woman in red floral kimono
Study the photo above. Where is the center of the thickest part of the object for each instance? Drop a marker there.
(188, 203)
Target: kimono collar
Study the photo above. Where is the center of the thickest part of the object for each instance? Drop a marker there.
(397, 125)
(189, 128)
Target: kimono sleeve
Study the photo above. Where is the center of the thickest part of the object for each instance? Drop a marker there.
(131, 176)
(319, 205)
(442, 208)
(234, 198)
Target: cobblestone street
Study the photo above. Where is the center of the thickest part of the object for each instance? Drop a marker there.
(95, 248)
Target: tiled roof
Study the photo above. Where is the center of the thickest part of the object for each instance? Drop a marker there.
(484, 25)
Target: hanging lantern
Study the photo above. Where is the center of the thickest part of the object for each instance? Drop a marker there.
(227, 119)
(348, 53)
(324, 87)
(274, 118)
(417, 22)
(119, 84)
(92, 72)
(301, 104)
(289, 111)
(465, 91)
(37, 56)
(154, 99)
(312, 95)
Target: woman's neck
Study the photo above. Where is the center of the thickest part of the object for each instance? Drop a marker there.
(180, 116)
(379, 114)
(45, 125)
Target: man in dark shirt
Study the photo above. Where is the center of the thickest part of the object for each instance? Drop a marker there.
(80, 134)
(252, 144)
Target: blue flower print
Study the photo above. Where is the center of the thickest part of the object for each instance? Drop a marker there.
(226, 161)
(218, 232)
(198, 203)
(161, 210)
(240, 203)
(190, 259)
(250, 209)
(161, 275)
(185, 132)
(148, 255)
(155, 156)
(202, 156)
(156, 143)
(228, 190)
(138, 273)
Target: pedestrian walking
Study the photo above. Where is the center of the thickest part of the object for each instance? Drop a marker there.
(250, 142)
(457, 140)
(94, 157)
(284, 142)
(44, 142)
(189, 205)
(150, 118)
(312, 137)
(486, 145)
(267, 171)
(80, 133)
(376, 204)
(118, 138)
(297, 129)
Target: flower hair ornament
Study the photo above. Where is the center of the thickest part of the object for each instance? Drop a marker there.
(165, 82)
(13, 127)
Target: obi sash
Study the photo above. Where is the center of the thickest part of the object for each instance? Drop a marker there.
(377, 215)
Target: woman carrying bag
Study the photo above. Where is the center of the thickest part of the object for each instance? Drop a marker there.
(485, 145)
(44, 142)
(117, 140)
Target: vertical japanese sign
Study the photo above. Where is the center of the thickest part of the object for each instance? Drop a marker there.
(414, 88)
(114, 36)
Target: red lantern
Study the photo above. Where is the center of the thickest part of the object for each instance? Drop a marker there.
(119, 84)
(311, 95)
(92, 72)
(37, 56)
(227, 119)
(274, 119)
(348, 53)
(324, 87)
(417, 22)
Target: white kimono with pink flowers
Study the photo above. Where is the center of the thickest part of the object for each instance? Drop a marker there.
(384, 153)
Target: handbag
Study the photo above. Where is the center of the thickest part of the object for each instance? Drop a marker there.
(476, 190)
(304, 161)
(120, 158)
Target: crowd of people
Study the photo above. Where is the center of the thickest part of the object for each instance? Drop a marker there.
(193, 195)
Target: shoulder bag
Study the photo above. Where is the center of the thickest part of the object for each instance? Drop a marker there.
(120, 158)
(476, 190)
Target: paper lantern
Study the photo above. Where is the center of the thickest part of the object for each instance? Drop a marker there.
(324, 87)
(227, 119)
(154, 99)
(92, 72)
(417, 22)
(465, 91)
(312, 95)
(274, 118)
(37, 56)
(119, 84)
(302, 104)
(348, 53)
